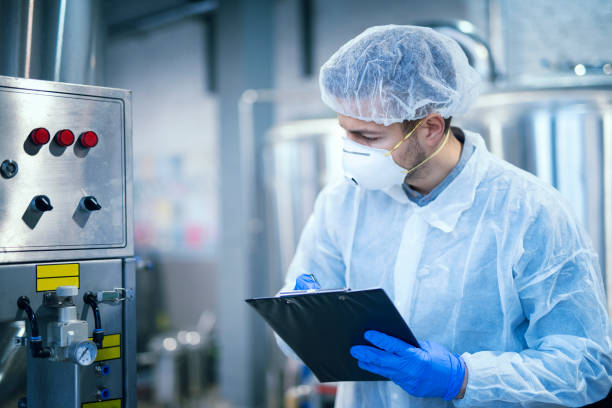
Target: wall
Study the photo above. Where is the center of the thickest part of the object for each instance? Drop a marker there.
(548, 36)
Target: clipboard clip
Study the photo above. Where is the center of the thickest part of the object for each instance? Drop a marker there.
(309, 291)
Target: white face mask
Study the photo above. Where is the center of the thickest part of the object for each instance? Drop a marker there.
(375, 169)
(370, 168)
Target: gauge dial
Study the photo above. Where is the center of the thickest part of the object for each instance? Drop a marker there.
(85, 353)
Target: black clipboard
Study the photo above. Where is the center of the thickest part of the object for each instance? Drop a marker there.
(322, 326)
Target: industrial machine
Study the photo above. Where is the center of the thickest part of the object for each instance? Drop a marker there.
(67, 272)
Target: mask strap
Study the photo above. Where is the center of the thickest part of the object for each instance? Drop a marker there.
(431, 156)
(405, 138)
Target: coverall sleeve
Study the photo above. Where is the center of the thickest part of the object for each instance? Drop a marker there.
(568, 356)
(317, 253)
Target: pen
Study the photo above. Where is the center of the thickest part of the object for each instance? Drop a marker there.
(314, 279)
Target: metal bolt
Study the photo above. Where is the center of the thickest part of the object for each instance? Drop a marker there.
(9, 169)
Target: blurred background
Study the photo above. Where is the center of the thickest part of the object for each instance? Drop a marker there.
(232, 144)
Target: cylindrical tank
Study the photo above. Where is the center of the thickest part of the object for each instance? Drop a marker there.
(563, 136)
(12, 359)
(57, 40)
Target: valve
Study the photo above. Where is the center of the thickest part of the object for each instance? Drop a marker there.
(103, 393)
(102, 369)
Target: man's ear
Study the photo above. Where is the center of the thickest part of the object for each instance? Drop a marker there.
(433, 128)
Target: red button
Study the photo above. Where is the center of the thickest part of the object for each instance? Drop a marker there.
(64, 137)
(89, 139)
(40, 136)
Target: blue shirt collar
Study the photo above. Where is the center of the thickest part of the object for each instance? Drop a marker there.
(422, 200)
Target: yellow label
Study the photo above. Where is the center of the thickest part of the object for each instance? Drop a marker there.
(57, 271)
(116, 403)
(110, 340)
(111, 347)
(46, 284)
(109, 353)
(49, 277)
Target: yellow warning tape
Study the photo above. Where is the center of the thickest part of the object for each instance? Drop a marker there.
(103, 404)
(48, 284)
(49, 277)
(111, 347)
(111, 340)
(57, 271)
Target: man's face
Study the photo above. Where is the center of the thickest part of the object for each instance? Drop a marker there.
(371, 134)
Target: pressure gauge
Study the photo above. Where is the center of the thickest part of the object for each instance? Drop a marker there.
(84, 352)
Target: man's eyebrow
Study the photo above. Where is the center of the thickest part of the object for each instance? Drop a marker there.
(368, 131)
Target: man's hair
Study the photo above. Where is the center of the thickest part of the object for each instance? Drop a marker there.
(408, 125)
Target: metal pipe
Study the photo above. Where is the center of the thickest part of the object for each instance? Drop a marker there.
(466, 28)
(496, 35)
(60, 40)
(161, 18)
(28, 48)
(607, 198)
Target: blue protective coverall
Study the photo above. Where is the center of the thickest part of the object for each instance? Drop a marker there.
(495, 268)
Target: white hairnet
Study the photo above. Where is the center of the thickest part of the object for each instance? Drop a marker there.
(393, 73)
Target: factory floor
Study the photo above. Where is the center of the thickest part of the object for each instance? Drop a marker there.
(210, 399)
(203, 403)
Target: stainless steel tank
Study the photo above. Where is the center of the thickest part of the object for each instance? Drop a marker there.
(562, 135)
(299, 158)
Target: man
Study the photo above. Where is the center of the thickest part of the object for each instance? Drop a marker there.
(485, 262)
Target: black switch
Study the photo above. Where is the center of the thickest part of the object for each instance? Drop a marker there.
(90, 203)
(41, 203)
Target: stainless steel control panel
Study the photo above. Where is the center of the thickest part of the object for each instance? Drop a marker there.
(65, 175)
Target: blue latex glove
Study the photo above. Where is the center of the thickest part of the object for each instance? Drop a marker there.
(305, 282)
(430, 371)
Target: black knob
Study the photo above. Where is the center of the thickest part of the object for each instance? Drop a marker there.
(9, 169)
(42, 203)
(90, 203)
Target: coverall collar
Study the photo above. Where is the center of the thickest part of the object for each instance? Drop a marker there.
(444, 212)
(466, 152)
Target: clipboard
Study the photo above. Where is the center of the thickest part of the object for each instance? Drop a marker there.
(322, 326)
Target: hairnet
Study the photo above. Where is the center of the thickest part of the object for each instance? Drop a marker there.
(393, 73)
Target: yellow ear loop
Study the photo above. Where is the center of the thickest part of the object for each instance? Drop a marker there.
(431, 156)
(405, 138)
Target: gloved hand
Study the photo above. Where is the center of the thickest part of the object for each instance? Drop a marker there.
(429, 371)
(305, 282)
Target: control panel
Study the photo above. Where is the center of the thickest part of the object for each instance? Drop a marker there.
(64, 182)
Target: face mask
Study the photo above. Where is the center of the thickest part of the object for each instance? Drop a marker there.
(375, 169)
